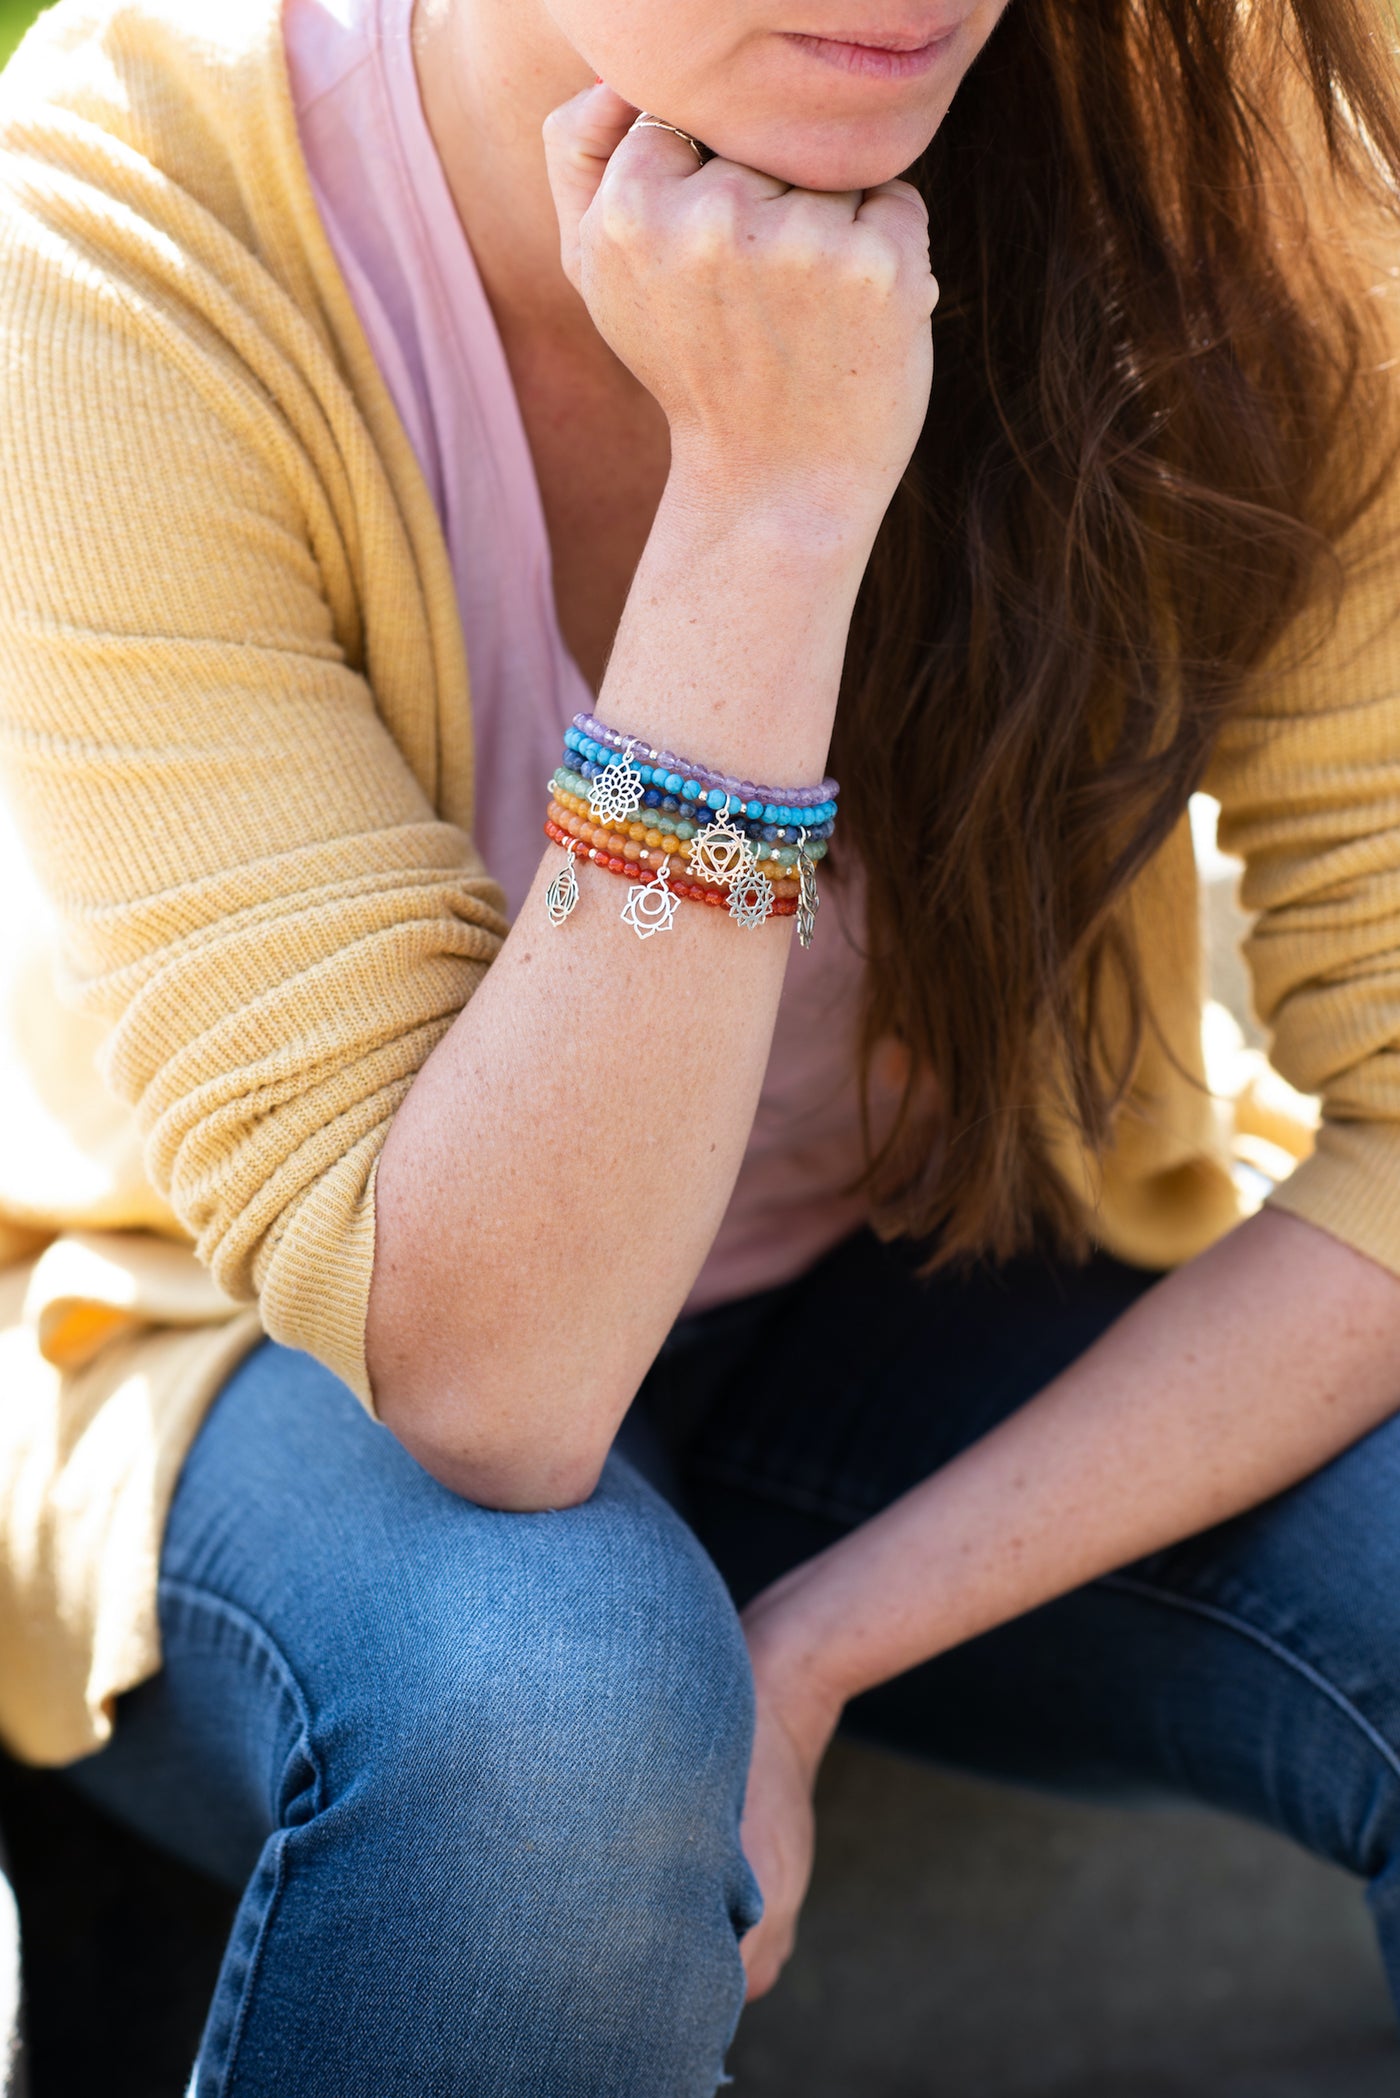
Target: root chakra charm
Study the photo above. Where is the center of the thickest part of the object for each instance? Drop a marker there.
(808, 901)
(722, 853)
(651, 905)
(562, 894)
(751, 900)
(616, 795)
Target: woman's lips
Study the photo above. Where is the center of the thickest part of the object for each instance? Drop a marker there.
(886, 59)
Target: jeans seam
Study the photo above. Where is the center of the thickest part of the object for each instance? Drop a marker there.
(193, 1592)
(230, 2061)
(1215, 1613)
(209, 1599)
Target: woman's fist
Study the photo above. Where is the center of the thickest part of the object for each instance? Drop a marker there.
(784, 332)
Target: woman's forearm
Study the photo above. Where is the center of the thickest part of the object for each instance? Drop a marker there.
(1231, 1380)
(553, 1182)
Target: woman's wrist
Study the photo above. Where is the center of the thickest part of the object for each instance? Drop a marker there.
(793, 515)
(731, 645)
(792, 1664)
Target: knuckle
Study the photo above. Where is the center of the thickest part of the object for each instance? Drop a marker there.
(713, 227)
(875, 262)
(618, 214)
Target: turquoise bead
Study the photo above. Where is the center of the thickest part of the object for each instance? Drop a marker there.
(770, 813)
(717, 798)
(674, 783)
(754, 811)
(645, 771)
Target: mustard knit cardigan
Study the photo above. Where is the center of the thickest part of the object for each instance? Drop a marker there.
(244, 903)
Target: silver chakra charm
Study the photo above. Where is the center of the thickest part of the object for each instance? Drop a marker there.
(721, 853)
(616, 795)
(651, 905)
(808, 901)
(751, 900)
(562, 894)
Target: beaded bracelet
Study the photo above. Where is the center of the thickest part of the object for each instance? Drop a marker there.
(580, 773)
(726, 827)
(651, 826)
(585, 729)
(651, 905)
(614, 845)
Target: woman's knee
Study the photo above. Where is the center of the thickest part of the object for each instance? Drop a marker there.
(550, 1783)
(581, 1672)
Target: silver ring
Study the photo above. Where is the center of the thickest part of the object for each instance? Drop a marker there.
(646, 122)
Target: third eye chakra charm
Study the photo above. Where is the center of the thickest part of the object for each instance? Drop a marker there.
(562, 894)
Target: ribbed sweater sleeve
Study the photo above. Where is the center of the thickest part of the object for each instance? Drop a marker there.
(1308, 773)
(257, 896)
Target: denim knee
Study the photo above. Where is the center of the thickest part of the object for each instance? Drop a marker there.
(569, 1691)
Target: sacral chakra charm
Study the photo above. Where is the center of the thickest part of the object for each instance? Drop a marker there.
(651, 906)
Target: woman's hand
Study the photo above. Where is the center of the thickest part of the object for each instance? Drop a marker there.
(784, 332)
(795, 1721)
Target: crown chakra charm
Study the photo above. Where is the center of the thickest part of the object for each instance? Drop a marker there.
(722, 853)
(562, 894)
(616, 795)
(651, 906)
(808, 901)
(751, 900)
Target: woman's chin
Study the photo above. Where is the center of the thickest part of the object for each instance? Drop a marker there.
(825, 157)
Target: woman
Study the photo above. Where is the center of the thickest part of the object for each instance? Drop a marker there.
(864, 1245)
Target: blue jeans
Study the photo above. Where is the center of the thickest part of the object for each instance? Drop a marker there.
(479, 1775)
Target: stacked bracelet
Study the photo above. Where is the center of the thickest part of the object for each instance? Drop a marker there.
(701, 835)
(638, 844)
(650, 825)
(725, 795)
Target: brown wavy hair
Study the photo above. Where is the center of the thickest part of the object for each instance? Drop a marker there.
(1153, 422)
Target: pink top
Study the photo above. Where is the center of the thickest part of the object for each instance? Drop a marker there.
(392, 223)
